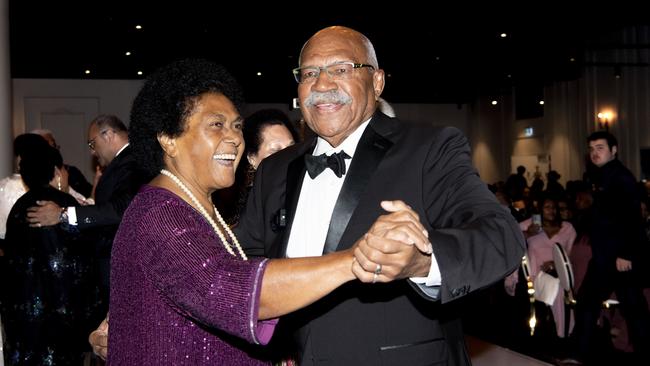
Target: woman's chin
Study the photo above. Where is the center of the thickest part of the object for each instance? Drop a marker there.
(222, 184)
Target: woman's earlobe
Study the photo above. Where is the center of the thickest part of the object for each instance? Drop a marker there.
(252, 161)
(168, 145)
(57, 176)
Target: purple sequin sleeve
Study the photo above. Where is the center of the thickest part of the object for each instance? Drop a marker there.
(193, 272)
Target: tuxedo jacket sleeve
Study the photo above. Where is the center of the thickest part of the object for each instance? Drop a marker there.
(115, 190)
(475, 241)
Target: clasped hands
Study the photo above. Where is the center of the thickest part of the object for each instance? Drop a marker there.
(395, 247)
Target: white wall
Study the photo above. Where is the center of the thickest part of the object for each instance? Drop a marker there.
(66, 107)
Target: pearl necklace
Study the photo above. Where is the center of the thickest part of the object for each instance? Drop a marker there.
(207, 216)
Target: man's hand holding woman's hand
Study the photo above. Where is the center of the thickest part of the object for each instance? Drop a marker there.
(395, 247)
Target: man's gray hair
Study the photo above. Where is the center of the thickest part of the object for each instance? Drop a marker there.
(109, 121)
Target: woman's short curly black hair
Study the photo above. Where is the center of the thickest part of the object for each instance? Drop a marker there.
(167, 99)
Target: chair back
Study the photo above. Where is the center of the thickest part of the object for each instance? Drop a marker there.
(563, 267)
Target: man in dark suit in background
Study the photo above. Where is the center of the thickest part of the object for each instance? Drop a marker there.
(108, 141)
(616, 264)
(300, 207)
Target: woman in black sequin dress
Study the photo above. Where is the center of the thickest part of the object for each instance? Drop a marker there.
(48, 295)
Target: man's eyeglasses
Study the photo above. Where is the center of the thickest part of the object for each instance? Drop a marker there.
(91, 142)
(336, 71)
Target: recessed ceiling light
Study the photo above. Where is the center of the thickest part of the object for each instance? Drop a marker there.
(138, 26)
(127, 53)
(139, 72)
(529, 131)
(541, 102)
(259, 73)
(494, 102)
(504, 35)
(87, 72)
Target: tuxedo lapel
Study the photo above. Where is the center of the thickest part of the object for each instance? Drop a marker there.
(295, 175)
(369, 153)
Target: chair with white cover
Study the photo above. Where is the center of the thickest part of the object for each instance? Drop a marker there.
(564, 271)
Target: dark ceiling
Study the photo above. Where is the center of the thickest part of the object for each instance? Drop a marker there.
(430, 56)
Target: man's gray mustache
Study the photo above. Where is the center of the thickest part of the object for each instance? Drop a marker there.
(327, 98)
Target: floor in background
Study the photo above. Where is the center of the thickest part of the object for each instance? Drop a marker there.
(487, 354)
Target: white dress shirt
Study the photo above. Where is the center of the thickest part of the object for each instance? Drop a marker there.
(317, 199)
(316, 203)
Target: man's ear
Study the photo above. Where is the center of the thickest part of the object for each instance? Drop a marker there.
(108, 136)
(378, 82)
(168, 145)
(614, 150)
(252, 160)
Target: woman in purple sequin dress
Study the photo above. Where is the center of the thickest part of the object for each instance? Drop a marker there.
(182, 291)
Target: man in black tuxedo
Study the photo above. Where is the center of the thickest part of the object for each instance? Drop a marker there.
(108, 141)
(300, 207)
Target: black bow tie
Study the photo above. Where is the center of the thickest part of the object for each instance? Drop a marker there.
(316, 164)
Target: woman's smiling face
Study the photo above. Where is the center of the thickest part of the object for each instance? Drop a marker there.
(211, 146)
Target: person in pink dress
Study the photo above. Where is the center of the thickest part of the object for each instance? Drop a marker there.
(541, 240)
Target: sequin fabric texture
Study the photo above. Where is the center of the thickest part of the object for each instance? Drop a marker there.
(50, 295)
(177, 296)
